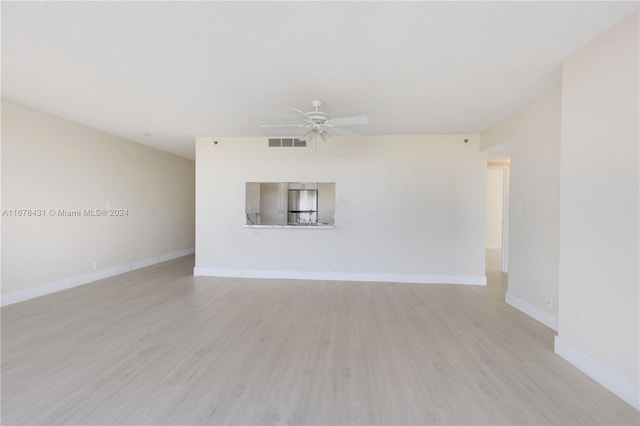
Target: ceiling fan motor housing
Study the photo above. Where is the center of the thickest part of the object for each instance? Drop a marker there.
(317, 116)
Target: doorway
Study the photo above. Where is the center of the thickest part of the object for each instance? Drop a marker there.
(497, 222)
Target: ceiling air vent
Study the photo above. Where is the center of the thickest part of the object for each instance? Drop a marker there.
(287, 142)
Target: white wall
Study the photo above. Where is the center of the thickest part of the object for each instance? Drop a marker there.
(51, 164)
(599, 218)
(534, 136)
(495, 188)
(408, 208)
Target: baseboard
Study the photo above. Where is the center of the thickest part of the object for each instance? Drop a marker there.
(41, 290)
(624, 389)
(341, 276)
(534, 312)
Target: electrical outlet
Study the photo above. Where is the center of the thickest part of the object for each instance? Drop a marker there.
(460, 268)
(549, 302)
(96, 264)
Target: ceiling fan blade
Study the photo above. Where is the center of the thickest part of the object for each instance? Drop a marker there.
(325, 136)
(343, 132)
(348, 121)
(302, 113)
(281, 125)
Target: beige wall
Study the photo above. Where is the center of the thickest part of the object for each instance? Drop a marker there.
(534, 136)
(326, 202)
(51, 164)
(407, 207)
(599, 218)
(272, 195)
(253, 198)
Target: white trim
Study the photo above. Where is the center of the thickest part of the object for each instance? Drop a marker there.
(341, 276)
(41, 290)
(494, 247)
(534, 312)
(627, 391)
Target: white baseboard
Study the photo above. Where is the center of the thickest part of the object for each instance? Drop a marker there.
(627, 391)
(534, 312)
(341, 276)
(41, 290)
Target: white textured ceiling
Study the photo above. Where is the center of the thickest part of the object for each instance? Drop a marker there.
(162, 73)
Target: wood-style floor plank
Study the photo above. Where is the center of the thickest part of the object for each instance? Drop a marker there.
(158, 346)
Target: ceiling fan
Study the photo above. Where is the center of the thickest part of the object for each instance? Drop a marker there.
(318, 123)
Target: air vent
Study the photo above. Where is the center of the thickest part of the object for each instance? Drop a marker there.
(287, 143)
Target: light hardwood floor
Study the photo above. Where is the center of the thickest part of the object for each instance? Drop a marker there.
(159, 346)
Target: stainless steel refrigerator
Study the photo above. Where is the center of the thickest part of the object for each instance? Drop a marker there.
(303, 207)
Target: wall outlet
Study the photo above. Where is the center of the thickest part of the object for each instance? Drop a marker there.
(549, 302)
(96, 264)
(460, 268)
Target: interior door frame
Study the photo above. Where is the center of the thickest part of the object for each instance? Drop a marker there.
(504, 167)
(505, 218)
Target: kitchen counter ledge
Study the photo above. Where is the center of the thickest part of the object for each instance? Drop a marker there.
(290, 226)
